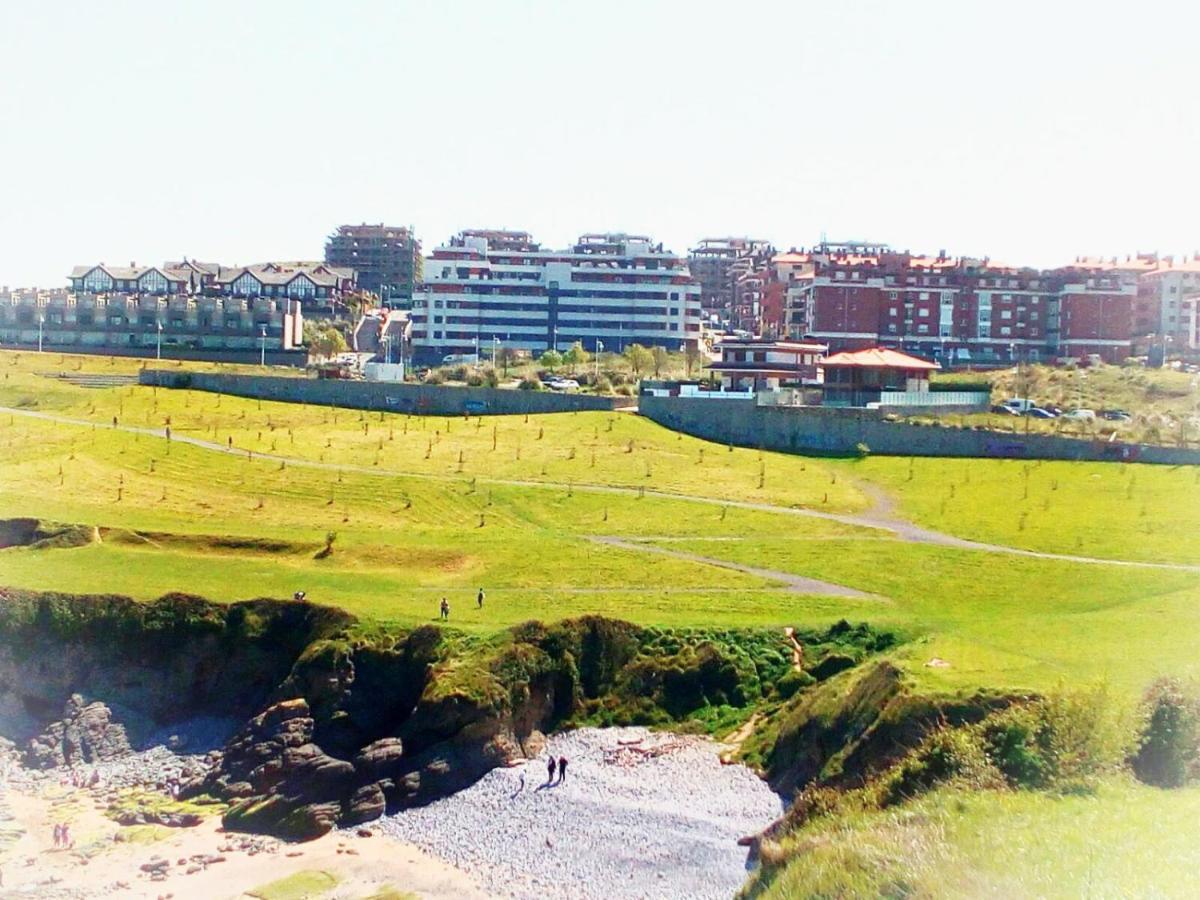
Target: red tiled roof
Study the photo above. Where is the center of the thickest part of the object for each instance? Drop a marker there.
(878, 358)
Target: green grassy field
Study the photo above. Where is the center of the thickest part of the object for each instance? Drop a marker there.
(518, 516)
(1126, 840)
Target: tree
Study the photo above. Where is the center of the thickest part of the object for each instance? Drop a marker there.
(660, 360)
(576, 356)
(692, 355)
(551, 360)
(639, 358)
(506, 356)
(324, 340)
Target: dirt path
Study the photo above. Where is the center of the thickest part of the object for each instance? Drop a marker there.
(33, 867)
(880, 517)
(797, 584)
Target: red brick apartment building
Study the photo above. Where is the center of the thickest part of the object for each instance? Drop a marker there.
(957, 309)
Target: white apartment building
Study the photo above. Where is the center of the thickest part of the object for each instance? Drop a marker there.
(484, 290)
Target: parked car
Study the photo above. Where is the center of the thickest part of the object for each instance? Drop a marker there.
(1036, 412)
(1005, 410)
(563, 384)
(1020, 404)
(458, 359)
(1116, 415)
(1081, 415)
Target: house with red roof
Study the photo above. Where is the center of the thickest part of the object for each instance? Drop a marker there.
(867, 377)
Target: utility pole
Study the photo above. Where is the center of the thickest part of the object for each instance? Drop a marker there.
(599, 350)
(41, 322)
(158, 344)
(262, 355)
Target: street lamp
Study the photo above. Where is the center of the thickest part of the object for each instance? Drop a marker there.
(158, 345)
(599, 350)
(41, 322)
(262, 354)
(495, 349)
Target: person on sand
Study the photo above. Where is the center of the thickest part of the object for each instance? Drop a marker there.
(479, 599)
(68, 841)
(550, 769)
(562, 769)
(445, 609)
(57, 835)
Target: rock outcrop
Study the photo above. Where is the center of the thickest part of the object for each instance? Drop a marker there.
(85, 734)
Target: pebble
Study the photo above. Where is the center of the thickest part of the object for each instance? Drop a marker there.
(623, 825)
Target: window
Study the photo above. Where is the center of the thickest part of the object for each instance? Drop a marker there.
(1005, 331)
(893, 311)
(922, 329)
(923, 313)
(892, 328)
(924, 295)
(893, 295)
(1006, 314)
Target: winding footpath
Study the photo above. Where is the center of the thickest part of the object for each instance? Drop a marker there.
(880, 517)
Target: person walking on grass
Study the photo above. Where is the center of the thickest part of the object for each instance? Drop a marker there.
(550, 771)
(562, 769)
(445, 609)
(479, 600)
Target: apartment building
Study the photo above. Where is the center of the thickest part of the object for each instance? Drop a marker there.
(1162, 289)
(485, 289)
(175, 323)
(958, 310)
(314, 284)
(716, 263)
(387, 259)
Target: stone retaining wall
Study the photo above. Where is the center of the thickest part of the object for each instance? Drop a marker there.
(426, 399)
(840, 431)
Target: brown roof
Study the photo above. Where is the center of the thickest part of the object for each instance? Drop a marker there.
(879, 358)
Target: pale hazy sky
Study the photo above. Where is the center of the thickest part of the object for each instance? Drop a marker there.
(236, 130)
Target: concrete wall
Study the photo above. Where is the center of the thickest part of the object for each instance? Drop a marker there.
(427, 399)
(839, 431)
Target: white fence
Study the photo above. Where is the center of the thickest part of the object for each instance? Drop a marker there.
(980, 399)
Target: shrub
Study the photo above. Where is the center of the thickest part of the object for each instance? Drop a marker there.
(475, 379)
(947, 754)
(435, 376)
(460, 373)
(1168, 754)
(602, 385)
(625, 390)
(490, 377)
(861, 450)
(793, 681)
(530, 383)
(832, 665)
(1011, 740)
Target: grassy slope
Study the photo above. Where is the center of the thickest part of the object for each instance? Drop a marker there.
(1128, 840)
(1006, 621)
(1095, 509)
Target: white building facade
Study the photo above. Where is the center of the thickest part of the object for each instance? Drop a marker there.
(490, 289)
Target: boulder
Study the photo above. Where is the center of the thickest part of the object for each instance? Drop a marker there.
(366, 803)
(85, 734)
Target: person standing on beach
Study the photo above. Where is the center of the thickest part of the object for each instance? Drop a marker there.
(550, 770)
(562, 769)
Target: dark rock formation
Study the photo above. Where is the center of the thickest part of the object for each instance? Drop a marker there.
(85, 734)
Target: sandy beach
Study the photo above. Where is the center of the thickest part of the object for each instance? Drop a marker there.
(203, 863)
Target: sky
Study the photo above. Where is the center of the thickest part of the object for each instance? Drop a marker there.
(1032, 132)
